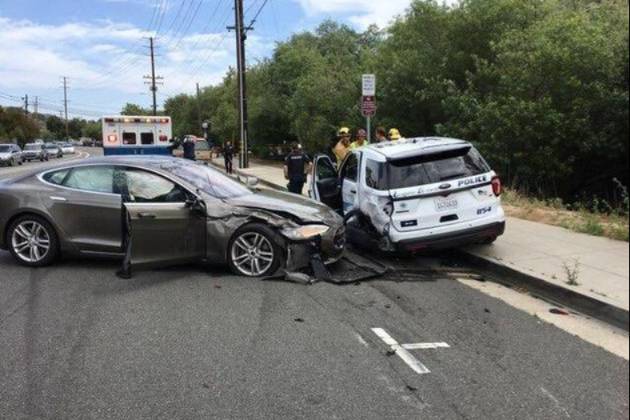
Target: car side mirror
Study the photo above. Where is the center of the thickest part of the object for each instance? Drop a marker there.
(252, 181)
(195, 204)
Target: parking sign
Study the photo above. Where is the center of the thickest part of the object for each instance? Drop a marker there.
(369, 85)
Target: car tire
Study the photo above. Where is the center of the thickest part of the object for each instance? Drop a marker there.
(254, 251)
(47, 241)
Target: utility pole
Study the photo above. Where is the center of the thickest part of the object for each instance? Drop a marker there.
(241, 36)
(65, 103)
(36, 105)
(25, 98)
(199, 107)
(153, 83)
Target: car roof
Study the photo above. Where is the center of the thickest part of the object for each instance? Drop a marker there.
(404, 148)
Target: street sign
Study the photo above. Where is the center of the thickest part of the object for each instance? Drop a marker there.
(368, 106)
(369, 85)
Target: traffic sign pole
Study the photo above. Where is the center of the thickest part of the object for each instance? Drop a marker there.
(368, 103)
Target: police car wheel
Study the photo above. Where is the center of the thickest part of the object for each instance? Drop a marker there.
(254, 252)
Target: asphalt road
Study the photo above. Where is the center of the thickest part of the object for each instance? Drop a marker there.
(77, 342)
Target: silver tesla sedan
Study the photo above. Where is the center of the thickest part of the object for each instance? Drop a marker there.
(158, 211)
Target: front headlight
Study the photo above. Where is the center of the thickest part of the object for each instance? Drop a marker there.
(303, 233)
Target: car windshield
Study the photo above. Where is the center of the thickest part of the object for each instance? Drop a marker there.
(4, 148)
(432, 168)
(208, 180)
(33, 147)
(50, 146)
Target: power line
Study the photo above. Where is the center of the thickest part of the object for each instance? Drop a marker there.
(65, 102)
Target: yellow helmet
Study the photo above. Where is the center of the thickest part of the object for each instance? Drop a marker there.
(394, 134)
(344, 131)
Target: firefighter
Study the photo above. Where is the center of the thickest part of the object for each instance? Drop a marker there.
(394, 134)
(342, 148)
(361, 140)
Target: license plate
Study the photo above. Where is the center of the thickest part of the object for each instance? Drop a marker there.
(445, 204)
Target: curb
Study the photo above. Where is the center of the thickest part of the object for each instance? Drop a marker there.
(587, 305)
(511, 277)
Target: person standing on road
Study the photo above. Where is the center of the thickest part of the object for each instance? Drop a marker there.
(342, 148)
(296, 167)
(380, 135)
(228, 156)
(189, 148)
(361, 140)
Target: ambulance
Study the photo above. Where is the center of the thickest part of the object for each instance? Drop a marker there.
(137, 135)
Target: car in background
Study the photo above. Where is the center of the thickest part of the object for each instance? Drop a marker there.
(203, 151)
(10, 155)
(160, 210)
(53, 151)
(413, 194)
(34, 151)
(67, 148)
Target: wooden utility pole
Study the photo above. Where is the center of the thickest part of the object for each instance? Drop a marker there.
(153, 78)
(241, 36)
(65, 103)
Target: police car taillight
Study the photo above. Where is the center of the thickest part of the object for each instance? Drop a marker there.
(497, 188)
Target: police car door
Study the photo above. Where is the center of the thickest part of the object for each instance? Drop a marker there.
(349, 175)
(324, 183)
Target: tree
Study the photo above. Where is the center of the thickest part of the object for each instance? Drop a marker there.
(133, 109)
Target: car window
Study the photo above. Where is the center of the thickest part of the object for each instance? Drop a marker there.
(56, 177)
(325, 169)
(146, 187)
(91, 178)
(146, 138)
(374, 174)
(207, 179)
(350, 169)
(5, 149)
(433, 168)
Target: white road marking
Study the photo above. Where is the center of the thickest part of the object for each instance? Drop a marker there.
(361, 340)
(401, 352)
(426, 346)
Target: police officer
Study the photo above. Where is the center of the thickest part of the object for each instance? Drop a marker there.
(228, 156)
(296, 166)
(189, 148)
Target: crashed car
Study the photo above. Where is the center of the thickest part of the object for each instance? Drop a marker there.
(413, 194)
(156, 211)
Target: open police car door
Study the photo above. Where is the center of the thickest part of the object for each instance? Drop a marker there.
(325, 184)
(165, 224)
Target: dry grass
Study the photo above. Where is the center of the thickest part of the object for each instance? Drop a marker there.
(554, 212)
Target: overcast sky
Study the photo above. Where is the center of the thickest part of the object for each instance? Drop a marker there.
(99, 45)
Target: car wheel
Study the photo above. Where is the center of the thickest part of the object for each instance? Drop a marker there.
(254, 252)
(33, 241)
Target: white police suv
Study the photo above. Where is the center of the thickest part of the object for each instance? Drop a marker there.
(413, 194)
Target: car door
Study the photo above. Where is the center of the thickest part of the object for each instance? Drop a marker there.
(325, 186)
(166, 226)
(349, 176)
(87, 207)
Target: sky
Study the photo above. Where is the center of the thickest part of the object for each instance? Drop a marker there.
(101, 46)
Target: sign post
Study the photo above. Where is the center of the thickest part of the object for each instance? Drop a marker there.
(368, 103)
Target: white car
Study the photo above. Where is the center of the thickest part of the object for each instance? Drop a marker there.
(10, 155)
(67, 148)
(413, 194)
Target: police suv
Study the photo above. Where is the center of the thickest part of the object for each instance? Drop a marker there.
(413, 194)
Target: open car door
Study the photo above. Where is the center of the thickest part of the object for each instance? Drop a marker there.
(166, 225)
(325, 185)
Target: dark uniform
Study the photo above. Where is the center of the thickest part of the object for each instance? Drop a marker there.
(189, 149)
(228, 156)
(296, 163)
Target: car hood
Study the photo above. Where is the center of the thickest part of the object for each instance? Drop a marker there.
(4, 155)
(306, 210)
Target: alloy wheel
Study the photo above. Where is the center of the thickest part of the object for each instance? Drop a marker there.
(252, 254)
(30, 241)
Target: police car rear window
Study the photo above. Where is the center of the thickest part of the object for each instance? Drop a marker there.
(425, 169)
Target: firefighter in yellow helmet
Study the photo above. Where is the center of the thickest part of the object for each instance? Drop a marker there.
(394, 134)
(342, 148)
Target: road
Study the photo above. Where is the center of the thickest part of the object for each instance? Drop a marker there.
(198, 342)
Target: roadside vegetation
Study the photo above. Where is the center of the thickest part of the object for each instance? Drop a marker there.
(596, 218)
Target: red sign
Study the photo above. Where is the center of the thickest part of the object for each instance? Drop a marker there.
(368, 106)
